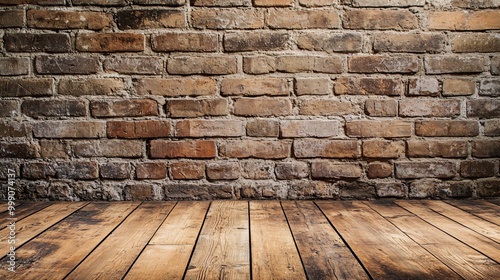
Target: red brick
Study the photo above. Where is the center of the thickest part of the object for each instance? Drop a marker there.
(429, 108)
(124, 108)
(223, 170)
(255, 149)
(90, 86)
(309, 128)
(464, 20)
(383, 149)
(254, 86)
(54, 149)
(492, 127)
(177, 87)
(9, 108)
(260, 107)
(185, 42)
(160, 2)
(327, 107)
(483, 108)
(209, 65)
(488, 188)
(437, 148)
(381, 107)
(368, 86)
(139, 192)
(292, 170)
(303, 19)
(315, 148)
(458, 87)
(380, 19)
(134, 65)
(14, 129)
(187, 170)
(80, 170)
(379, 170)
(115, 170)
(138, 129)
(383, 64)
(38, 170)
(428, 169)
(110, 148)
(465, 43)
(69, 129)
(19, 150)
(11, 18)
(110, 42)
(197, 108)
(477, 168)
(486, 148)
(385, 129)
(209, 128)
(313, 86)
(423, 86)
(412, 43)
(101, 2)
(332, 170)
(302, 63)
(387, 3)
(256, 41)
(29, 42)
(273, 3)
(227, 18)
(447, 128)
(221, 3)
(45, 19)
(54, 108)
(453, 64)
(26, 87)
(263, 128)
(148, 19)
(66, 65)
(257, 169)
(12, 66)
(489, 87)
(182, 149)
(151, 170)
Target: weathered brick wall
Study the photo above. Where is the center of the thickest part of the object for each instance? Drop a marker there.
(166, 99)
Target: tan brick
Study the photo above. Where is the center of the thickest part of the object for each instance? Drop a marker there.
(331, 170)
(369, 86)
(227, 18)
(187, 170)
(256, 41)
(423, 86)
(174, 87)
(138, 192)
(447, 128)
(263, 128)
(110, 148)
(255, 149)
(261, 107)
(14, 66)
(12, 18)
(146, 19)
(379, 170)
(45, 19)
(429, 108)
(292, 170)
(413, 43)
(91, 86)
(387, 3)
(477, 169)
(54, 108)
(313, 86)
(134, 65)
(34, 2)
(385, 129)
(138, 129)
(9, 108)
(209, 128)
(254, 86)
(381, 107)
(309, 128)
(380, 19)
(26, 87)
(475, 4)
(257, 169)
(54, 149)
(115, 170)
(383, 149)
(454, 64)
(69, 129)
(465, 43)
(210, 65)
(316, 3)
(492, 127)
(223, 170)
(272, 3)
(458, 87)
(463, 20)
(430, 169)
(383, 64)
(330, 42)
(327, 107)
(14, 129)
(110, 42)
(185, 42)
(197, 108)
(38, 170)
(124, 108)
(100, 2)
(315, 148)
(483, 108)
(303, 19)
(437, 148)
(495, 65)
(151, 170)
(302, 63)
(485, 148)
(160, 2)
(489, 87)
(221, 3)
(66, 65)
(259, 64)
(182, 149)
(29, 42)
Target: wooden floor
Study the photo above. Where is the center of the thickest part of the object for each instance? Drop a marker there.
(255, 240)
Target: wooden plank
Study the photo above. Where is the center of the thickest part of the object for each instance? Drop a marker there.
(385, 251)
(274, 255)
(22, 211)
(173, 243)
(115, 255)
(485, 210)
(222, 251)
(33, 225)
(475, 240)
(324, 254)
(462, 259)
(478, 225)
(495, 201)
(58, 250)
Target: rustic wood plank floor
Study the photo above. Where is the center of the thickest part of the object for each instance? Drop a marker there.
(382, 239)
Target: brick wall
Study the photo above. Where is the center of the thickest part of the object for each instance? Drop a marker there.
(171, 99)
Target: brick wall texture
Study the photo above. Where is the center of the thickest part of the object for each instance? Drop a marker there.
(241, 99)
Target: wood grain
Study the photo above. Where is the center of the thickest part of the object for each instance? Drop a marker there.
(22, 211)
(480, 208)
